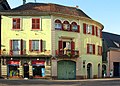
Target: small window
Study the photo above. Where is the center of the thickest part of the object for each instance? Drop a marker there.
(99, 32)
(74, 26)
(16, 23)
(35, 24)
(90, 48)
(66, 25)
(58, 25)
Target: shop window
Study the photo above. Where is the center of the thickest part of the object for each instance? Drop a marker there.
(16, 23)
(58, 25)
(13, 71)
(35, 23)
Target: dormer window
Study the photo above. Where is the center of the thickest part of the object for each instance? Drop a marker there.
(58, 25)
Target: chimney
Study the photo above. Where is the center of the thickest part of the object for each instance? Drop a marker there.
(77, 6)
(24, 1)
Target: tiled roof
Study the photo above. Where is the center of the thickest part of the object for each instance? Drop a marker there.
(111, 39)
(48, 7)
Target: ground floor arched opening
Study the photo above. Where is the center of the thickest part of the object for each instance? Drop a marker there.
(89, 70)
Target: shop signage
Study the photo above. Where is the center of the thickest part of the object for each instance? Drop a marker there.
(38, 62)
(15, 62)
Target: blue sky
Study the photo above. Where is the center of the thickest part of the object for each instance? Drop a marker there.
(104, 11)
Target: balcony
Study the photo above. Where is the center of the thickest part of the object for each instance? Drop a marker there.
(67, 53)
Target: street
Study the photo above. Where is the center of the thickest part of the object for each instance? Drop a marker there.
(39, 82)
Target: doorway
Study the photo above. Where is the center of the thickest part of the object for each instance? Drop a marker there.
(89, 71)
(99, 71)
(26, 70)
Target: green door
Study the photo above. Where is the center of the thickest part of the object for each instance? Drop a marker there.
(66, 69)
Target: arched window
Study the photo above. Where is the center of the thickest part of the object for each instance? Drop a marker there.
(58, 24)
(74, 26)
(66, 25)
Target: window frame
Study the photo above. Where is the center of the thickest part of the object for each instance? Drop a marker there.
(39, 24)
(18, 24)
(57, 21)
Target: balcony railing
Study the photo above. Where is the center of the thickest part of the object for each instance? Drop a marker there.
(68, 53)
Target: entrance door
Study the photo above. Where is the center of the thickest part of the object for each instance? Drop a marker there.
(98, 70)
(26, 70)
(116, 69)
(89, 71)
(66, 70)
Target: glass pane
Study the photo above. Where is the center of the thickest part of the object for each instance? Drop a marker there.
(16, 45)
(37, 21)
(35, 45)
(33, 20)
(74, 27)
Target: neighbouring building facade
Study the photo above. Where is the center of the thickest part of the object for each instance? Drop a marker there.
(42, 40)
(3, 6)
(111, 54)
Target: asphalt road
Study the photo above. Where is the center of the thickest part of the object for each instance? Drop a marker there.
(38, 82)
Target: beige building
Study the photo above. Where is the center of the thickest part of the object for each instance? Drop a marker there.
(50, 40)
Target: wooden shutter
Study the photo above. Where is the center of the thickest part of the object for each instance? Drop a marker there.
(60, 47)
(96, 31)
(87, 48)
(21, 51)
(72, 47)
(41, 45)
(11, 47)
(93, 31)
(78, 28)
(93, 48)
(84, 28)
(30, 45)
(36, 23)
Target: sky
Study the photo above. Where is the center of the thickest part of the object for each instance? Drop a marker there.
(107, 12)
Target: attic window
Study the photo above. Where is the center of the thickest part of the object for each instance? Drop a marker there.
(117, 44)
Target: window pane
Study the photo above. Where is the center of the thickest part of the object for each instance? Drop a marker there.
(74, 27)
(33, 20)
(16, 45)
(35, 45)
(37, 20)
(90, 48)
(58, 25)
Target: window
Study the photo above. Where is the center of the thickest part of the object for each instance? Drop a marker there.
(16, 45)
(35, 45)
(35, 23)
(90, 48)
(89, 29)
(99, 50)
(99, 32)
(66, 25)
(58, 25)
(16, 23)
(74, 26)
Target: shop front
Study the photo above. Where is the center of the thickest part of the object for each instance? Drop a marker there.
(13, 68)
(38, 68)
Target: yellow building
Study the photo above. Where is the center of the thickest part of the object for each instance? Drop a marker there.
(41, 40)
